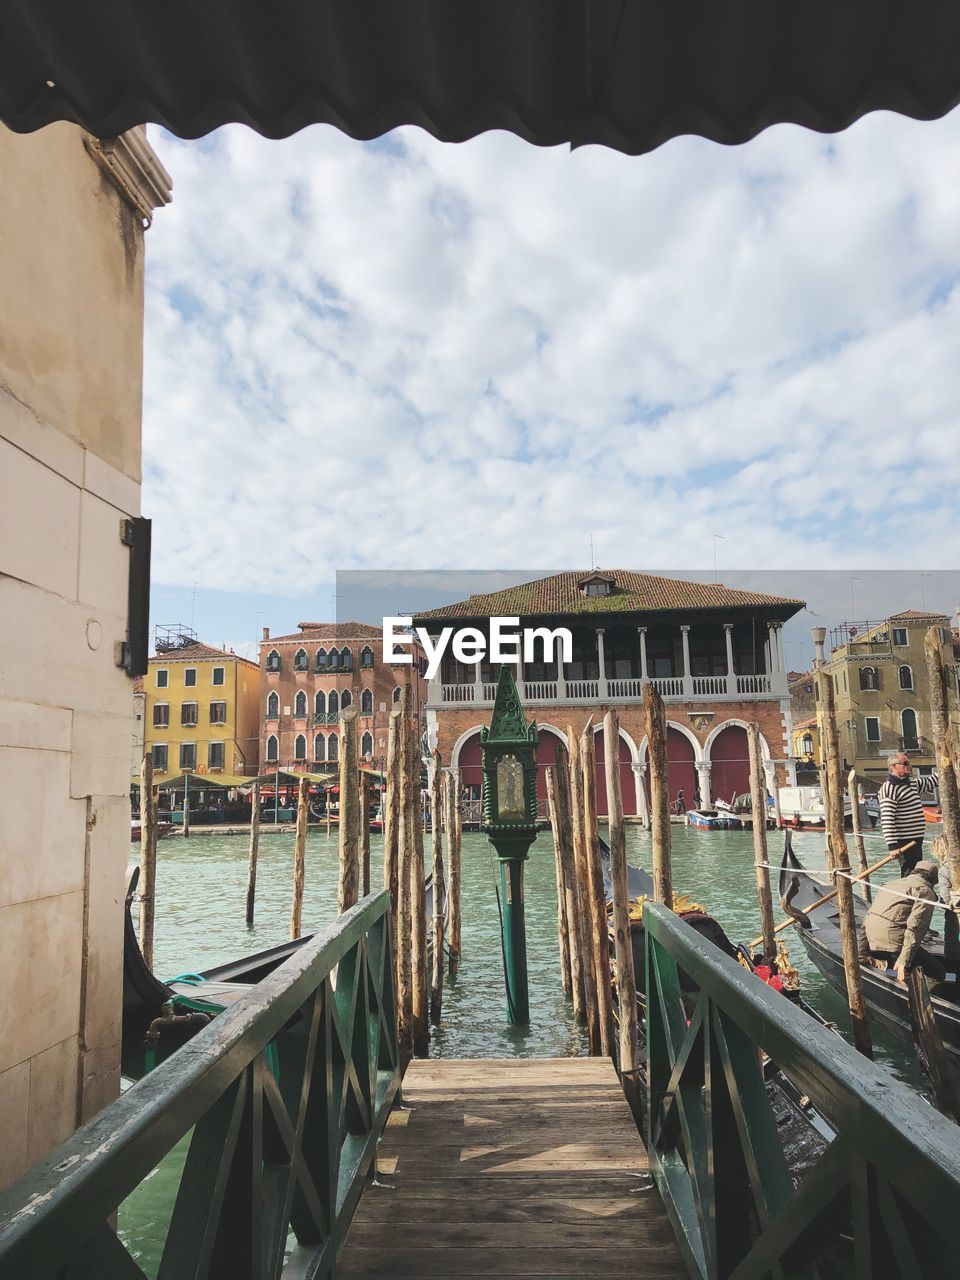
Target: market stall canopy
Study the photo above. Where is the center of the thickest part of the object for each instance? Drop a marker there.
(628, 74)
(288, 777)
(198, 781)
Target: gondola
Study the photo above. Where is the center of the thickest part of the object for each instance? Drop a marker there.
(159, 1017)
(886, 997)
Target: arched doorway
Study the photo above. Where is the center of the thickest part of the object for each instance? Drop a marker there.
(681, 772)
(469, 760)
(627, 785)
(730, 758)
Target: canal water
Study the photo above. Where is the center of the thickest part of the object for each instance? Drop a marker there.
(201, 889)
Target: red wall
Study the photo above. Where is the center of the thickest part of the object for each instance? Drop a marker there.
(627, 786)
(681, 774)
(729, 755)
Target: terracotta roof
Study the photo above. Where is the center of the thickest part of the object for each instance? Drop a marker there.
(920, 615)
(634, 593)
(138, 684)
(199, 653)
(329, 631)
(627, 75)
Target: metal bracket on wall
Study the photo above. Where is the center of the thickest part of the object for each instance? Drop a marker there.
(132, 653)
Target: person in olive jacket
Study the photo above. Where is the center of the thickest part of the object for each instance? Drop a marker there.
(898, 920)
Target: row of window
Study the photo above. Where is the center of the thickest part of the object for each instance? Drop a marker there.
(218, 676)
(909, 729)
(324, 704)
(325, 749)
(334, 660)
(870, 678)
(189, 714)
(216, 755)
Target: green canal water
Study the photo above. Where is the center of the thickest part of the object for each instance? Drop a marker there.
(201, 888)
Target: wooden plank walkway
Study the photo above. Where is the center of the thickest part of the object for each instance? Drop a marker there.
(511, 1167)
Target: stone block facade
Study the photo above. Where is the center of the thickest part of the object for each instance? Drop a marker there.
(71, 258)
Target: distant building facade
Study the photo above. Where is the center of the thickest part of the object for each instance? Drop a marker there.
(201, 712)
(139, 714)
(714, 653)
(309, 677)
(881, 692)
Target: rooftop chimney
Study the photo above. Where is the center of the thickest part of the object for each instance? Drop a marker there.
(819, 635)
(266, 633)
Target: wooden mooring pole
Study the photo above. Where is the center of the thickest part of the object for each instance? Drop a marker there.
(598, 898)
(254, 849)
(391, 817)
(584, 919)
(573, 913)
(853, 791)
(837, 844)
(405, 852)
(945, 746)
(148, 859)
(347, 830)
(454, 833)
(656, 726)
(562, 924)
(623, 946)
(364, 823)
(418, 913)
(758, 806)
(299, 859)
(440, 817)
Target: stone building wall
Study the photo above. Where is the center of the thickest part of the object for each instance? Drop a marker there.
(71, 334)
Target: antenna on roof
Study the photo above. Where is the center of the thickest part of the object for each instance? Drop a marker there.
(593, 563)
(717, 537)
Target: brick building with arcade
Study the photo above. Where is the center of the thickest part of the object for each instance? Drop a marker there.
(715, 653)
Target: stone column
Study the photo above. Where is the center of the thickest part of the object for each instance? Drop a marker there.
(639, 778)
(703, 777)
(731, 676)
(478, 682)
(642, 633)
(687, 678)
(603, 670)
(772, 656)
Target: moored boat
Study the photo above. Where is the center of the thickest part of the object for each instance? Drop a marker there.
(705, 819)
(887, 998)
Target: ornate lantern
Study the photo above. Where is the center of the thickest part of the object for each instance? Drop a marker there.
(509, 748)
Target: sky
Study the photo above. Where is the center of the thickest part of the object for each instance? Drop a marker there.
(407, 355)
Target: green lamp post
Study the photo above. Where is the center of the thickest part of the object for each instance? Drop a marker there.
(509, 748)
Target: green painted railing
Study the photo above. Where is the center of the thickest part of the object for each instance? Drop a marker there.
(882, 1200)
(269, 1154)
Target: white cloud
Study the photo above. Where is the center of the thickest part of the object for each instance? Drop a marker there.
(418, 355)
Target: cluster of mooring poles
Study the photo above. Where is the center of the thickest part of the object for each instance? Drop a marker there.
(419, 940)
(582, 920)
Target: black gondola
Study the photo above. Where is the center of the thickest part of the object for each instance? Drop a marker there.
(886, 997)
(159, 1017)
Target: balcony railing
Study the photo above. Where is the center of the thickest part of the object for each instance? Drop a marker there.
(732, 688)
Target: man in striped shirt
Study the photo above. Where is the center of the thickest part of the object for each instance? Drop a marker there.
(901, 813)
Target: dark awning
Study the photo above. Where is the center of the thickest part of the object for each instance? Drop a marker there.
(628, 74)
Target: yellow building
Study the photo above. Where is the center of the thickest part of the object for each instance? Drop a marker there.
(201, 712)
(806, 743)
(880, 684)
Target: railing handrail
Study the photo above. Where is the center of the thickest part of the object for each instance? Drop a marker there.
(72, 1189)
(887, 1122)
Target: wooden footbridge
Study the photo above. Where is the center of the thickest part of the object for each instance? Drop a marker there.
(304, 1161)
